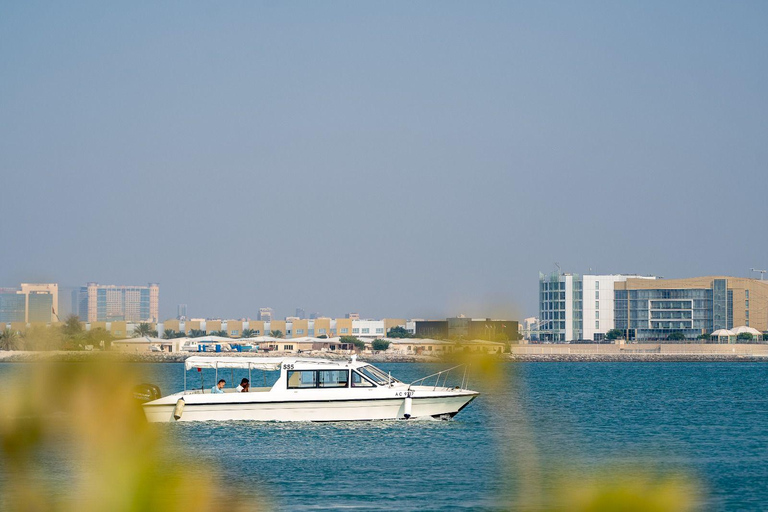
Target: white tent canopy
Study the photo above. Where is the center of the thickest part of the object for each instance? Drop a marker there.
(722, 332)
(253, 363)
(750, 330)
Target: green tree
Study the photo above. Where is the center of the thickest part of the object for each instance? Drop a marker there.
(9, 340)
(614, 334)
(676, 336)
(143, 329)
(169, 334)
(744, 336)
(353, 340)
(276, 334)
(99, 338)
(398, 332)
(72, 328)
(248, 333)
(380, 345)
(704, 336)
(40, 337)
(322, 337)
(222, 333)
(196, 333)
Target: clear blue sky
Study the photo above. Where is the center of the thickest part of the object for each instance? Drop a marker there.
(401, 159)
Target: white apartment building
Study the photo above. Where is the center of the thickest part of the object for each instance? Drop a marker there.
(576, 307)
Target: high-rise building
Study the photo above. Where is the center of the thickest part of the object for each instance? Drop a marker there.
(300, 313)
(32, 302)
(313, 316)
(266, 314)
(12, 306)
(352, 316)
(110, 303)
(181, 312)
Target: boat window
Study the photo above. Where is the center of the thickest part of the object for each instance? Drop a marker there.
(358, 381)
(333, 378)
(302, 379)
(375, 375)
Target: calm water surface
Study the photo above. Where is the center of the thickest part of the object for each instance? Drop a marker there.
(708, 420)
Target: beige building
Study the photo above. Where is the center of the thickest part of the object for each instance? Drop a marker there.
(655, 309)
(104, 303)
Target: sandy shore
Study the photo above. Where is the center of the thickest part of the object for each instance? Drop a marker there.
(165, 357)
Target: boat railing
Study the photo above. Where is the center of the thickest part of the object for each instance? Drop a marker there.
(444, 375)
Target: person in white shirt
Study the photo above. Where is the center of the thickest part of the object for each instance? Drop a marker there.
(243, 387)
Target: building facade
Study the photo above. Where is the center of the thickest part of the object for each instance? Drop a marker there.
(111, 303)
(575, 307)
(30, 303)
(694, 306)
(461, 328)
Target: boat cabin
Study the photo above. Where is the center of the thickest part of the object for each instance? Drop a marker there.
(287, 373)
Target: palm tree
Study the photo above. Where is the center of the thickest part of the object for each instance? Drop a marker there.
(196, 333)
(276, 334)
(143, 329)
(169, 334)
(248, 333)
(8, 340)
(221, 333)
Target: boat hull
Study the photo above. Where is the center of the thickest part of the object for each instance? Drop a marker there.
(196, 408)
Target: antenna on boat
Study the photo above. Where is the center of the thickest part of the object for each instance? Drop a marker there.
(353, 358)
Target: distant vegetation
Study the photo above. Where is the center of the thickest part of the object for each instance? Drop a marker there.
(69, 335)
(398, 332)
(380, 345)
(276, 334)
(614, 334)
(144, 329)
(676, 336)
(353, 340)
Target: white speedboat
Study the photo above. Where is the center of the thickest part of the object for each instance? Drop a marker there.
(310, 390)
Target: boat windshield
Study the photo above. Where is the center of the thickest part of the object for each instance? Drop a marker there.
(376, 375)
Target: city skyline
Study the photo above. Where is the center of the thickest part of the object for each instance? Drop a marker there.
(339, 158)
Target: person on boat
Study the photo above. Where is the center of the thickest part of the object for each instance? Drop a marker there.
(219, 387)
(243, 387)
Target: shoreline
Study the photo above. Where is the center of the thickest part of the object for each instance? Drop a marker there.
(165, 357)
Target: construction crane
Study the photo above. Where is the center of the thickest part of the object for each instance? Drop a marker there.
(762, 272)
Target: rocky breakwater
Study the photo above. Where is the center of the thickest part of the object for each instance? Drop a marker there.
(630, 357)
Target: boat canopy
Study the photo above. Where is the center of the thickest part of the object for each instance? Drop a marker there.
(253, 363)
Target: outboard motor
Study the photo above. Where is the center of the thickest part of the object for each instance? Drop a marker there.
(146, 392)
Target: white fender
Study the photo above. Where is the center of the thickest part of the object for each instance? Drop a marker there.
(407, 407)
(179, 409)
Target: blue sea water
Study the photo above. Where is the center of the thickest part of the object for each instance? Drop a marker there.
(705, 420)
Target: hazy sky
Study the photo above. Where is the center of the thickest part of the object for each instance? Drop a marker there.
(399, 159)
